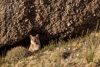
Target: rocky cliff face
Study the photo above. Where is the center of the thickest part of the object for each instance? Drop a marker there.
(49, 18)
(14, 22)
(66, 17)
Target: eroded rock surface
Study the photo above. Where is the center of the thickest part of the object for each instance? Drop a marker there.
(65, 17)
(49, 18)
(14, 22)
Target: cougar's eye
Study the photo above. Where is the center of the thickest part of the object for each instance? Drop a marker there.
(35, 40)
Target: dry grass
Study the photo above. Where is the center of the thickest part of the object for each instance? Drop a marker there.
(16, 54)
(79, 52)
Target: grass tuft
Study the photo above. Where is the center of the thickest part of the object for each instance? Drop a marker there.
(16, 54)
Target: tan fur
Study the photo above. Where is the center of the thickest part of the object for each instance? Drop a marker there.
(35, 43)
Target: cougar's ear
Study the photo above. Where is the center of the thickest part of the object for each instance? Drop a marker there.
(30, 36)
(37, 35)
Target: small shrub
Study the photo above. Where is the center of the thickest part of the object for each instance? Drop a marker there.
(16, 54)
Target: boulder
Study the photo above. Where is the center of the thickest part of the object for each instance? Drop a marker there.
(49, 18)
(55, 18)
(14, 22)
